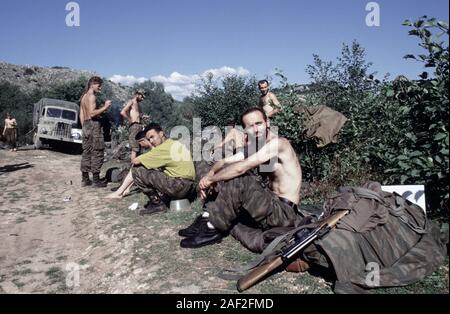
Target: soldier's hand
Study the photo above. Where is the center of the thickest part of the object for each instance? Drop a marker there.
(108, 104)
(203, 194)
(205, 183)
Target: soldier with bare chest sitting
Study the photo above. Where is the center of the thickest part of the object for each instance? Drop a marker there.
(237, 189)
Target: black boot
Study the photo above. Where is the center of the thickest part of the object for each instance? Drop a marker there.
(152, 209)
(97, 183)
(85, 181)
(206, 236)
(194, 228)
(154, 205)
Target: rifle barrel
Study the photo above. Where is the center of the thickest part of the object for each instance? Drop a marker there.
(294, 249)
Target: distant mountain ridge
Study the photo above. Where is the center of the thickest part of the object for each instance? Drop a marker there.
(30, 77)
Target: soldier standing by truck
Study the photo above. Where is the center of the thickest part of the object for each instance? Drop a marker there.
(10, 132)
(93, 141)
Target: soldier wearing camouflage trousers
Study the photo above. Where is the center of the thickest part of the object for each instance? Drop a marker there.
(249, 192)
(132, 113)
(269, 203)
(161, 175)
(93, 142)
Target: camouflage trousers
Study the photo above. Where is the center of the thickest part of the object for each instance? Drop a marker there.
(247, 195)
(93, 147)
(159, 186)
(133, 131)
(11, 136)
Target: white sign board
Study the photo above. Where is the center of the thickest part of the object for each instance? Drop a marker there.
(413, 193)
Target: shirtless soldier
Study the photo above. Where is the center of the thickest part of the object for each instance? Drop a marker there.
(132, 113)
(234, 139)
(269, 206)
(10, 132)
(93, 142)
(268, 101)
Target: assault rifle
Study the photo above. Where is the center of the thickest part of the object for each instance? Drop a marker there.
(301, 240)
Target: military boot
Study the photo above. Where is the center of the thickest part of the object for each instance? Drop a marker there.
(194, 228)
(97, 183)
(205, 236)
(85, 181)
(156, 204)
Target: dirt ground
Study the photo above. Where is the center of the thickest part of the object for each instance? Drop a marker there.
(57, 237)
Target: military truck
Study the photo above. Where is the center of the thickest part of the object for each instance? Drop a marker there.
(56, 122)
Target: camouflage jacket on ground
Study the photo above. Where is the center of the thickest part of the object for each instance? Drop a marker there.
(384, 241)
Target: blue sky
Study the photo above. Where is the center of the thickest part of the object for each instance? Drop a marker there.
(175, 41)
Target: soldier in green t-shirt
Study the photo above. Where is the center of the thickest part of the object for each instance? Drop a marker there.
(165, 173)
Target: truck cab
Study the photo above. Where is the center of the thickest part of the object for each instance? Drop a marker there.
(56, 121)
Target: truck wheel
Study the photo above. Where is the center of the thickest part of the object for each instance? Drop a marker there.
(37, 142)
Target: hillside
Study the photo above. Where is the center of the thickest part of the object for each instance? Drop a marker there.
(30, 77)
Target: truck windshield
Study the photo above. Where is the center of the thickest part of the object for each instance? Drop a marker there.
(53, 113)
(69, 115)
(60, 113)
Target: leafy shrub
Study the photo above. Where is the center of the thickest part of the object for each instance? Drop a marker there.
(421, 156)
(216, 104)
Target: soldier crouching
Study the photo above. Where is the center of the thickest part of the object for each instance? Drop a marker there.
(162, 176)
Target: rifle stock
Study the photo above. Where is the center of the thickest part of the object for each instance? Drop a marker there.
(259, 273)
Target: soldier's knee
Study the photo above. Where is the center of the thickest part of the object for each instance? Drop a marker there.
(138, 174)
(135, 173)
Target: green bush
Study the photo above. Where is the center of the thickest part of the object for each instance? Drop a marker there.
(397, 131)
(159, 105)
(421, 155)
(216, 104)
(349, 88)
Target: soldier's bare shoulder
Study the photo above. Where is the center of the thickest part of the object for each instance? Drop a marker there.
(87, 98)
(283, 142)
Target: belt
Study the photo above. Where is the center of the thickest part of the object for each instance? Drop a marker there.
(93, 120)
(290, 204)
(133, 124)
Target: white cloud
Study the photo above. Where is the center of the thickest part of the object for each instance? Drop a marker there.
(225, 71)
(181, 85)
(127, 79)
